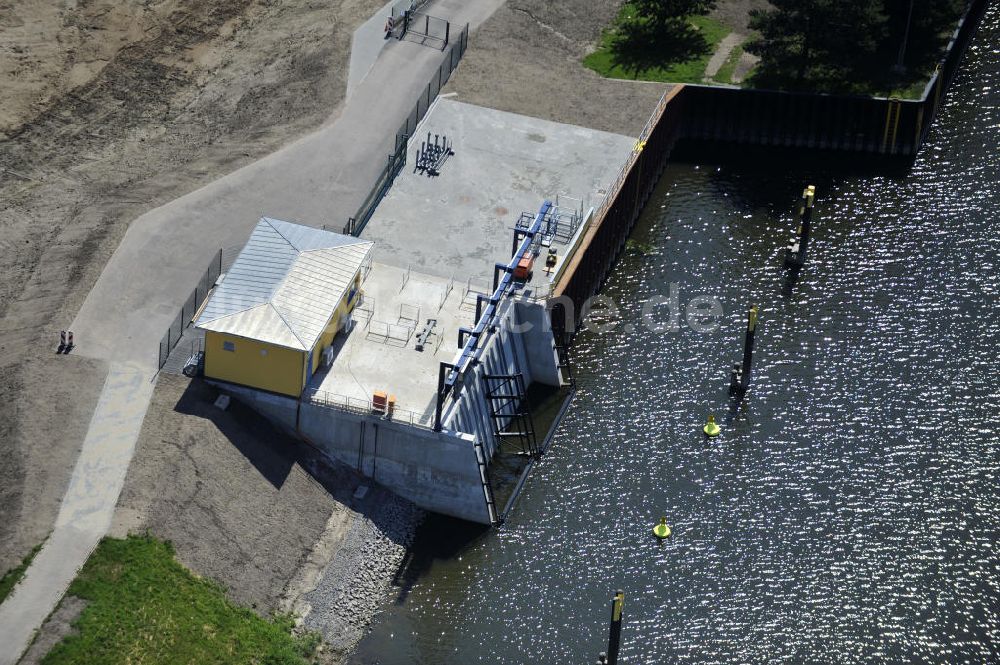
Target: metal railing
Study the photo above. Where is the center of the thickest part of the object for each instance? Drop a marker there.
(364, 407)
(395, 162)
(190, 307)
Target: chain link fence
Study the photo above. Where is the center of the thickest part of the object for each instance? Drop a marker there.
(184, 317)
(395, 162)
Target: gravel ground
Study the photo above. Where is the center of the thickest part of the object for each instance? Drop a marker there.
(359, 579)
(735, 14)
(57, 626)
(267, 516)
(45, 407)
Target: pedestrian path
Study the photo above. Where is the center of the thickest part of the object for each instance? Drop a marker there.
(726, 46)
(320, 178)
(86, 510)
(367, 43)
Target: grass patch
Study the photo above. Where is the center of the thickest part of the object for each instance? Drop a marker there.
(145, 607)
(728, 68)
(689, 71)
(14, 575)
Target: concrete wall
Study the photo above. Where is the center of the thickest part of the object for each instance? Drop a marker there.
(282, 411)
(435, 470)
(438, 471)
(538, 342)
(522, 344)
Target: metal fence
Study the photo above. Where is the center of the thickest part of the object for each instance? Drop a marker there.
(395, 162)
(184, 317)
(364, 407)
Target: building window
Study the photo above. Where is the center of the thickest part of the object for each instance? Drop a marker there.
(228, 346)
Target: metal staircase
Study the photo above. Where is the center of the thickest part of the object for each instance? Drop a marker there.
(506, 399)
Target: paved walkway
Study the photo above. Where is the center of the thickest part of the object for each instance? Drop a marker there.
(86, 510)
(367, 43)
(320, 179)
(726, 46)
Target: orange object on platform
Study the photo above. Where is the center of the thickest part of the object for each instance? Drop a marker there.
(392, 405)
(379, 401)
(524, 265)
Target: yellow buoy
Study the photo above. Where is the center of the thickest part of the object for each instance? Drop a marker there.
(711, 429)
(661, 530)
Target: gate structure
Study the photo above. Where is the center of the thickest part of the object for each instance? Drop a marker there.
(508, 405)
(424, 28)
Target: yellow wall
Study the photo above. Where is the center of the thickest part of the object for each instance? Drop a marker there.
(334, 324)
(278, 369)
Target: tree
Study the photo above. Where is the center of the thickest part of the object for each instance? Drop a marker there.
(657, 33)
(849, 45)
(816, 41)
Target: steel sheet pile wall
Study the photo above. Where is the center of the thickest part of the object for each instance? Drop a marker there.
(842, 123)
(848, 124)
(803, 120)
(615, 217)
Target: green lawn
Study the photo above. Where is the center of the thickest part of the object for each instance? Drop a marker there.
(144, 607)
(690, 71)
(14, 575)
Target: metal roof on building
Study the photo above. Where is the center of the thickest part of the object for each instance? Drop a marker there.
(285, 285)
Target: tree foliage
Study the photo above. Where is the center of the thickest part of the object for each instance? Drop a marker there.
(657, 33)
(848, 45)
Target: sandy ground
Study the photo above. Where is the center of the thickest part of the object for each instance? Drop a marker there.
(526, 59)
(110, 109)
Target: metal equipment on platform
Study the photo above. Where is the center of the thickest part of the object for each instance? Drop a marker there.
(432, 155)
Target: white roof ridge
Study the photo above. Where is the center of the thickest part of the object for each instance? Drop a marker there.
(283, 237)
(288, 325)
(199, 322)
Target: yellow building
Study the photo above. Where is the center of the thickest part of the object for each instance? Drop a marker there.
(290, 291)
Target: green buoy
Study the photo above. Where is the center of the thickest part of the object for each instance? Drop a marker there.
(711, 429)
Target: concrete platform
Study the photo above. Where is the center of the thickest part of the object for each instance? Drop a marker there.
(379, 353)
(460, 222)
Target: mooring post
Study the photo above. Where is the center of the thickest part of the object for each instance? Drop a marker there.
(795, 253)
(740, 377)
(748, 346)
(615, 632)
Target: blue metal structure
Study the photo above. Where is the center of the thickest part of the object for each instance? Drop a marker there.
(503, 283)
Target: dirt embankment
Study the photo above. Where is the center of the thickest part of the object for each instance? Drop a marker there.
(263, 513)
(526, 59)
(110, 109)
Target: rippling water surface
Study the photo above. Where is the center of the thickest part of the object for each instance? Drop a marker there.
(850, 510)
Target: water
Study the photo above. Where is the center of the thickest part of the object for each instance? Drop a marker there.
(849, 511)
